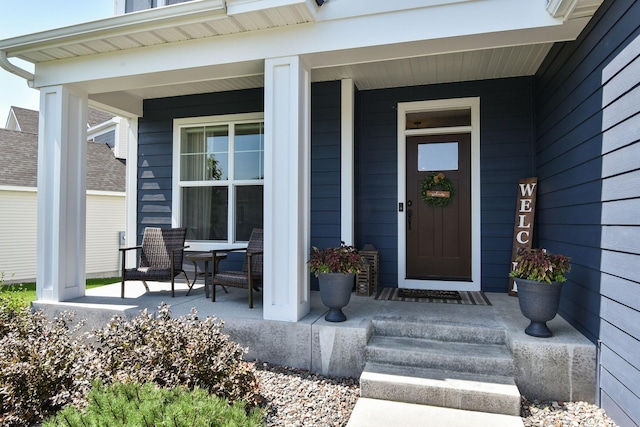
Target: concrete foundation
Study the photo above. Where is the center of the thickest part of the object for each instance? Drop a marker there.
(562, 367)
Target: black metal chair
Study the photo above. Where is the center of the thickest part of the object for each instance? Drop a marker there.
(160, 259)
(250, 277)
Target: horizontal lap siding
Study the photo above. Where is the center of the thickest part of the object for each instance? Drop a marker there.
(506, 155)
(325, 165)
(155, 145)
(588, 159)
(18, 228)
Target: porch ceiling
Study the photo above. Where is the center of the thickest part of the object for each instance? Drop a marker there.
(454, 67)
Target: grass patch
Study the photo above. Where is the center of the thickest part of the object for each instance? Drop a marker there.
(26, 292)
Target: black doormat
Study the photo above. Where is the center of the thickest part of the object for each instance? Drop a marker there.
(424, 293)
(420, 295)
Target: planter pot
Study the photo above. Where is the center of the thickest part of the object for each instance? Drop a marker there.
(335, 291)
(539, 303)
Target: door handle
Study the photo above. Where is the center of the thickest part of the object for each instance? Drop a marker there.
(409, 215)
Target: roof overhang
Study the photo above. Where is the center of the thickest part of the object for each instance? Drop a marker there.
(215, 45)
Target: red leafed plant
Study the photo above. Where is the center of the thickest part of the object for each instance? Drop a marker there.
(541, 266)
(344, 259)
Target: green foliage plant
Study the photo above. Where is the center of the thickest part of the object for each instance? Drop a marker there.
(171, 352)
(541, 266)
(147, 405)
(343, 259)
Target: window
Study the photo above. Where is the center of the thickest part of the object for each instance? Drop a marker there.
(220, 166)
(135, 5)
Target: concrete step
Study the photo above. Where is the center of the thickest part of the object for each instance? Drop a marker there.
(492, 359)
(495, 394)
(441, 331)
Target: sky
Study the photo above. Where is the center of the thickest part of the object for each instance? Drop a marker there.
(19, 18)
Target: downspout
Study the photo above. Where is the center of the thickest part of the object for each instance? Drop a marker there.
(4, 63)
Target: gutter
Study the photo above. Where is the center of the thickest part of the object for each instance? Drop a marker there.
(13, 69)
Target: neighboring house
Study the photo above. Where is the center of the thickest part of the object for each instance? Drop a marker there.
(311, 119)
(18, 205)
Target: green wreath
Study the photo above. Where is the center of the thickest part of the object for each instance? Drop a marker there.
(437, 182)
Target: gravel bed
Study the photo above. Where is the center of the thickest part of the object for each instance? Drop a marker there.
(563, 414)
(295, 397)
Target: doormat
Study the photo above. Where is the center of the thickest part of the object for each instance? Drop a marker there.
(420, 295)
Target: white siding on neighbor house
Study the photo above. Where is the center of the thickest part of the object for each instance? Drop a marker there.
(105, 218)
(18, 234)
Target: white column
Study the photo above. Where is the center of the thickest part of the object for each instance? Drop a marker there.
(286, 188)
(131, 230)
(62, 155)
(347, 166)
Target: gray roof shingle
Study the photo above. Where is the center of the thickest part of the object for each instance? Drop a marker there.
(27, 119)
(19, 163)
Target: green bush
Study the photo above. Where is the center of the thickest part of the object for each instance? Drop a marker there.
(148, 405)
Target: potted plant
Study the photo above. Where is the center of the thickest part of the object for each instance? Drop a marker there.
(335, 269)
(539, 276)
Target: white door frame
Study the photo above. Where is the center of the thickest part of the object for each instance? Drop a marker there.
(403, 133)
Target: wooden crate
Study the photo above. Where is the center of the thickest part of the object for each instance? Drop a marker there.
(367, 281)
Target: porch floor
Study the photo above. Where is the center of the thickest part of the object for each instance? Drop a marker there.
(561, 367)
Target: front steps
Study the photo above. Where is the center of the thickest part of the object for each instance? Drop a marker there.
(450, 365)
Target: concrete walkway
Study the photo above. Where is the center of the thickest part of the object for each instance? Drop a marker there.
(382, 413)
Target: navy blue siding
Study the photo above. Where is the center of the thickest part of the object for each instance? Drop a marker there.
(506, 151)
(325, 166)
(108, 138)
(588, 163)
(155, 145)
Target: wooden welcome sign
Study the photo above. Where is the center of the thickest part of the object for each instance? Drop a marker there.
(523, 230)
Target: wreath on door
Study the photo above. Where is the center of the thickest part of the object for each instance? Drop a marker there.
(437, 190)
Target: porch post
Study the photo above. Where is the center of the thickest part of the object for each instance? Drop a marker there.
(61, 235)
(347, 165)
(287, 161)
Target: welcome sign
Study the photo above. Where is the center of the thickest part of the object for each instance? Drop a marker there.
(523, 230)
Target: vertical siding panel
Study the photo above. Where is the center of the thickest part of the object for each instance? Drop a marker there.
(589, 184)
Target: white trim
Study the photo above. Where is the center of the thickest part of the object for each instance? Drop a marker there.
(131, 226)
(106, 193)
(176, 184)
(18, 189)
(474, 129)
(347, 179)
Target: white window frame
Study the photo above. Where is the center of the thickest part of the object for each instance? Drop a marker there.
(176, 193)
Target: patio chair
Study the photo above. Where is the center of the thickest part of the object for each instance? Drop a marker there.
(160, 259)
(250, 277)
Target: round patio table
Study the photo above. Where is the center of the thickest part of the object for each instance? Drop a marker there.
(205, 257)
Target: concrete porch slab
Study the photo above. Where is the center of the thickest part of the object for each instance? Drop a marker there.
(560, 368)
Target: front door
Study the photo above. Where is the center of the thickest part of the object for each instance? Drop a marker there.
(438, 233)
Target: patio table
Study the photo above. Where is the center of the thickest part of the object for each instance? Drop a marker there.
(205, 257)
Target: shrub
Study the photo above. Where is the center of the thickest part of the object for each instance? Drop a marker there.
(42, 366)
(176, 351)
(148, 405)
(46, 365)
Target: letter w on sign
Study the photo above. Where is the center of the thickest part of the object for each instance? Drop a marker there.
(523, 229)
